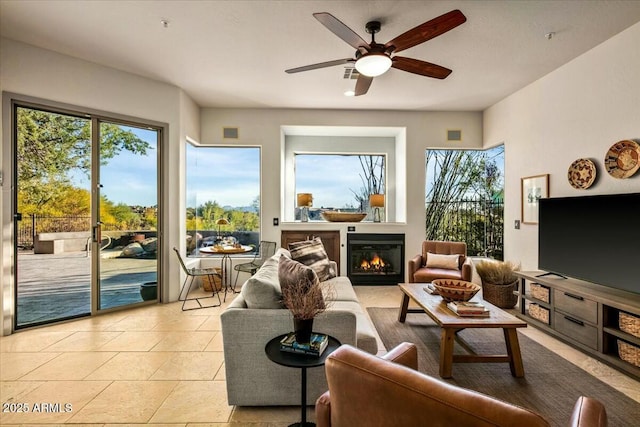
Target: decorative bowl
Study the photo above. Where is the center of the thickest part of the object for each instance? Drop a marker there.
(455, 290)
(335, 216)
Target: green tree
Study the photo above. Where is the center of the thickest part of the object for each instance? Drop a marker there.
(464, 198)
(51, 147)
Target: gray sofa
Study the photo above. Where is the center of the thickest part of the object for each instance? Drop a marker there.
(256, 316)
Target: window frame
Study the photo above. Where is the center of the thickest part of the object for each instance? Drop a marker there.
(196, 145)
(339, 145)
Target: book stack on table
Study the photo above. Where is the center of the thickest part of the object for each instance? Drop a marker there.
(468, 309)
(315, 347)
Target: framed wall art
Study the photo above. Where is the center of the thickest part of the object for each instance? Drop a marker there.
(533, 188)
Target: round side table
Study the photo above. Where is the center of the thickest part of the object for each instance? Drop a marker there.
(302, 361)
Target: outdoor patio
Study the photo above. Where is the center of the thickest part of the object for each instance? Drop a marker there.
(58, 285)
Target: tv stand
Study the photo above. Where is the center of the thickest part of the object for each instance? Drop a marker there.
(552, 274)
(582, 314)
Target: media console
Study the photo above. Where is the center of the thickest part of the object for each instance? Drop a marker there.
(580, 313)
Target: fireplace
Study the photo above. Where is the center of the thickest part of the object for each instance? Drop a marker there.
(375, 259)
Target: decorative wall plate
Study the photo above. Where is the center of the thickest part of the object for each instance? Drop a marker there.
(623, 159)
(582, 173)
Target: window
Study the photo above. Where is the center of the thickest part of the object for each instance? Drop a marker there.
(330, 163)
(465, 198)
(339, 181)
(223, 183)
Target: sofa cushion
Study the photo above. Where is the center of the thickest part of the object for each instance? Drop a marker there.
(296, 279)
(365, 334)
(338, 289)
(448, 262)
(312, 253)
(262, 290)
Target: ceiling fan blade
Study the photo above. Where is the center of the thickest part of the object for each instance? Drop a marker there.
(341, 30)
(427, 31)
(362, 84)
(320, 65)
(422, 68)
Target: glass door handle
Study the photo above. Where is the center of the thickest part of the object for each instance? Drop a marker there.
(96, 233)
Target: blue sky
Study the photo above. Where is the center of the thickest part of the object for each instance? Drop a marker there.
(227, 175)
(330, 178)
(129, 178)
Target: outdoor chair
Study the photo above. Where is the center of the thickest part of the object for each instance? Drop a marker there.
(192, 273)
(265, 251)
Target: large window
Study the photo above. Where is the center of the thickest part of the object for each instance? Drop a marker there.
(223, 196)
(465, 198)
(339, 181)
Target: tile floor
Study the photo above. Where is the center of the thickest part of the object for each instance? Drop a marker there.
(159, 365)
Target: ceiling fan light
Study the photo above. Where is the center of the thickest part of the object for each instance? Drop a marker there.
(373, 64)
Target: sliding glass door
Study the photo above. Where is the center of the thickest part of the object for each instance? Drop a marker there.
(52, 217)
(128, 201)
(85, 214)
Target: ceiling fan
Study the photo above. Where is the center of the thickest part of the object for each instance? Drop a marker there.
(373, 59)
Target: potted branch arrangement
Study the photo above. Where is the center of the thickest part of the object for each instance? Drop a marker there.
(305, 301)
(499, 282)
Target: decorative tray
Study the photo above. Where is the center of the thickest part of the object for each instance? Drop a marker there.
(623, 159)
(335, 216)
(582, 173)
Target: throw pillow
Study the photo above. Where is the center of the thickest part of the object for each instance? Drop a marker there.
(448, 262)
(296, 279)
(312, 254)
(262, 290)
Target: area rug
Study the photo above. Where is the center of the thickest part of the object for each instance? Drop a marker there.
(551, 384)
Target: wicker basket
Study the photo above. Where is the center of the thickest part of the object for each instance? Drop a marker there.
(540, 292)
(629, 324)
(629, 353)
(217, 283)
(539, 313)
(500, 295)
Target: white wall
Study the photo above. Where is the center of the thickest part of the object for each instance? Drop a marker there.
(423, 130)
(31, 71)
(577, 111)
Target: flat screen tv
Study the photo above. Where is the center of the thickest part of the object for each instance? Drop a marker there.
(592, 238)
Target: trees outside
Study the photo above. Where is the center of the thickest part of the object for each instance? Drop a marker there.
(372, 177)
(464, 200)
(53, 151)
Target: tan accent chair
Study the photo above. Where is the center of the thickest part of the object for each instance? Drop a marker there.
(419, 272)
(366, 390)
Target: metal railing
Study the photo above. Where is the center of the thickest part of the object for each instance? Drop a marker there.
(34, 224)
(479, 223)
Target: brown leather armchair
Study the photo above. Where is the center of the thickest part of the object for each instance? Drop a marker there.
(420, 273)
(365, 390)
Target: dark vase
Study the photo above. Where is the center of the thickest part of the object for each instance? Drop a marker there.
(149, 291)
(302, 329)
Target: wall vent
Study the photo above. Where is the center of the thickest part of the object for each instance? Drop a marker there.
(350, 73)
(230, 133)
(454, 135)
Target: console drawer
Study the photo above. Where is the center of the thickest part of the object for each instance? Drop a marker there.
(576, 329)
(576, 306)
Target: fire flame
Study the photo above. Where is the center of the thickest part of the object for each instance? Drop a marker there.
(375, 264)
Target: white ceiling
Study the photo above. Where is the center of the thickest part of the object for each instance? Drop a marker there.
(234, 53)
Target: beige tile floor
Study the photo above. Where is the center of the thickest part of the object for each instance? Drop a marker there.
(159, 365)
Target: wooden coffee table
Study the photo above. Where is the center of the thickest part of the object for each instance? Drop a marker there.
(451, 324)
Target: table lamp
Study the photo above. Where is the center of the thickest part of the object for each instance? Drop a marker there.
(305, 200)
(376, 201)
(220, 222)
